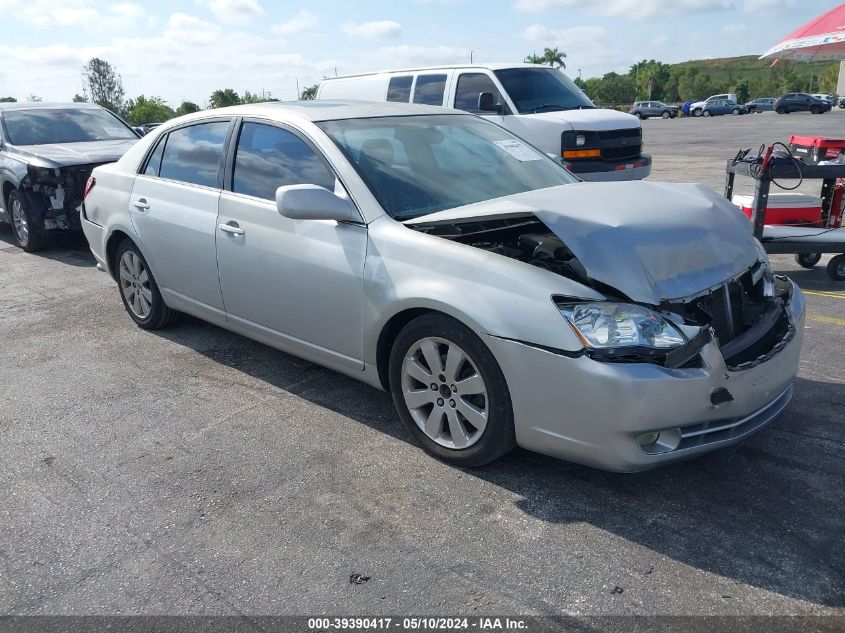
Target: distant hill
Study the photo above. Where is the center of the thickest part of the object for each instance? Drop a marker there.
(728, 69)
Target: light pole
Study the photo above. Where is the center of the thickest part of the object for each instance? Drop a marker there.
(471, 53)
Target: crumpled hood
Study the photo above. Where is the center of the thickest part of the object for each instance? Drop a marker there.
(67, 154)
(651, 241)
(591, 120)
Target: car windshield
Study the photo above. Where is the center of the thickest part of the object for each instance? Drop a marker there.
(416, 165)
(44, 126)
(542, 90)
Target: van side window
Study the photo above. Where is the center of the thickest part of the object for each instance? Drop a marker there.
(470, 86)
(399, 89)
(430, 89)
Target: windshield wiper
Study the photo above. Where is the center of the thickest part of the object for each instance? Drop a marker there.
(548, 107)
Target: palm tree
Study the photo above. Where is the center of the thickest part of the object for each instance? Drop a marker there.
(554, 57)
(535, 59)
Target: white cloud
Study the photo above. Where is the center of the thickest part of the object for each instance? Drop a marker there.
(733, 29)
(372, 30)
(632, 8)
(191, 29)
(236, 11)
(768, 6)
(302, 21)
(74, 13)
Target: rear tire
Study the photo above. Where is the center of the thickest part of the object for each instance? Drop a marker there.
(836, 268)
(28, 232)
(460, 410)
(735, 111)
(808, 260)
(138, 289)
(781, 110)
(705, 113)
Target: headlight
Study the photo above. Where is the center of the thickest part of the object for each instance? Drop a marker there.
(580, 139)
(611, 325)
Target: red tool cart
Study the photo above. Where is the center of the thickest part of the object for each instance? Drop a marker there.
(807, 240)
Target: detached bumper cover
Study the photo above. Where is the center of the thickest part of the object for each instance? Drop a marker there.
(592, 412)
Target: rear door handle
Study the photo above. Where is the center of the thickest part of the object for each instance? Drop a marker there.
(232, 229)
(141, 203)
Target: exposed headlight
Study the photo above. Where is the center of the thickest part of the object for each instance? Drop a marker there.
(605, 325)
(580, 140)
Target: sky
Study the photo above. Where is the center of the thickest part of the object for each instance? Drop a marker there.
(185, 49)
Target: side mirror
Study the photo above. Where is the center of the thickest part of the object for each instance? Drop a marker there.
(312, 202)
(487, 103)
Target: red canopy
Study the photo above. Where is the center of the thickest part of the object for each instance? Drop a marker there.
(822, 38)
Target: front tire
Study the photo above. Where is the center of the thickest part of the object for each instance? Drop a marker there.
(696, 112)
(27, 232)
(808, 260)
(638, 115)
(705, 113)
(735, 112)
(138, 289)
(665, 114)
(781, 110)
(836, 268)
(815, 109)
(450, 392)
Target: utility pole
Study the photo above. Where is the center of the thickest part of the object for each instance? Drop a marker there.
(579, 73)
(470, 56)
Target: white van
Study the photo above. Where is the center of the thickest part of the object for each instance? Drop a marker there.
(538, 103)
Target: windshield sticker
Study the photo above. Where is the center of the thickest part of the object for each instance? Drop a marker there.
(117, 131)
(519, 150)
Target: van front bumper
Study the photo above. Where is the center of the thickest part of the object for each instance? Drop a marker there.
(593, 412)
(606, 171)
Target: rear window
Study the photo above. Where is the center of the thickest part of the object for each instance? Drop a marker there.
(399, 89)
(192, 154)
(64, 125)
(429, 89)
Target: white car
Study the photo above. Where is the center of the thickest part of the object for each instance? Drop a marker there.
(433, 254)
(537, 103)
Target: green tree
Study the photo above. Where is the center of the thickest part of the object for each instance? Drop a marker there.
(78, 98)
(8, 100)
(743, 90)
(554, 57)
(103, 85)
(592, 87)
(143, 110)
(308, 93)
(34, 99)
(829, 79)
(615, 89)
(186, 107)
(254, 97)
(224, 98)
(702, 86)
(533, 58)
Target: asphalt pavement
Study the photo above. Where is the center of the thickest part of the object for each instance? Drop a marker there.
(194, 471)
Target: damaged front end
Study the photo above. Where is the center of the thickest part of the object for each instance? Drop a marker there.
(54, 195)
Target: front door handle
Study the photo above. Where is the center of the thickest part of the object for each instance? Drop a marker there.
(232, 228)
(141, 204)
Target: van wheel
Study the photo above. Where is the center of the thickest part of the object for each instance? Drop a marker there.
(808, 260)
(450, 392)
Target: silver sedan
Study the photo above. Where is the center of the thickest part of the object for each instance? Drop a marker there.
(434, 254)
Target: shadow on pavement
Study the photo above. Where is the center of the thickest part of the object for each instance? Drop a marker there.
(71, 249)
(767, 512)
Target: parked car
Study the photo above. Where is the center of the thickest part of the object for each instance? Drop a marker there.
(718, 107)
(436, 255)
(761, 104)
(801, 102)
(646, 109)
(825, 97)
(47, 152)
(540, 104)
(697, 108)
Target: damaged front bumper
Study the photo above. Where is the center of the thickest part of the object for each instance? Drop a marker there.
(53, 196)
(597, 413)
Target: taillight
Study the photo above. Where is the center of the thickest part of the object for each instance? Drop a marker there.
(89, 186)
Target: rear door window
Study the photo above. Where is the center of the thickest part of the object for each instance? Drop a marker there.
(154, 163)
(470, 86)
(429, 89)
(270, 157)
(399, 89)
(192, 154)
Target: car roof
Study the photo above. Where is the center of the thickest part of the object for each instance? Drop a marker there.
(321, 110)
(490, 66)
(39, 105)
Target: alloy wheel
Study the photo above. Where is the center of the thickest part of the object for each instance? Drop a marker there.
(19, 223)
(135, 284)
(445, 393)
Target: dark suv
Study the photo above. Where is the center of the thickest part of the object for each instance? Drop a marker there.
(47, 152)
(645, 109)
(800, 102)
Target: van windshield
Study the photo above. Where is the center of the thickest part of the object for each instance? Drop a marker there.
(416, 165)
(542, 90)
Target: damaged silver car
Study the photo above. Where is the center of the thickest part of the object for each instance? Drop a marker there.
(434, 254)
(47, 153)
